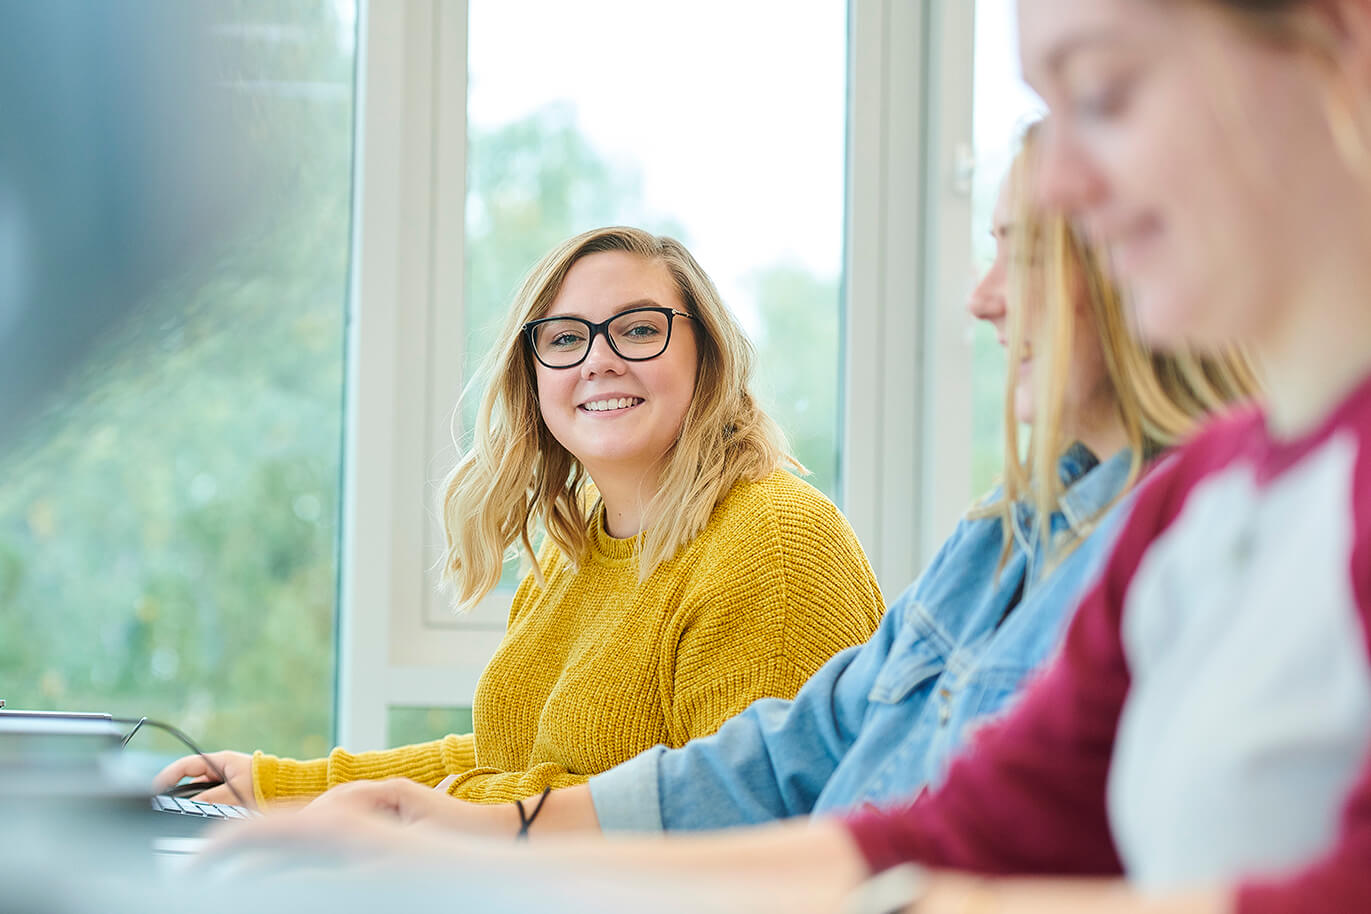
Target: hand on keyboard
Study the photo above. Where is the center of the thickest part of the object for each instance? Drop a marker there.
(235, 766)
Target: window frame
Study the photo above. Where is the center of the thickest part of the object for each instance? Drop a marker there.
(904, 463)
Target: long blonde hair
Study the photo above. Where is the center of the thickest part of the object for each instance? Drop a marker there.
(517, 477)
(1159, 398)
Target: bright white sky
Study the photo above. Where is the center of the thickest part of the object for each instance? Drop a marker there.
(731, 110)
(1003, 106)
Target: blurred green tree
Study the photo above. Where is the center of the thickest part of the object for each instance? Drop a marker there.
(168, 513)
(798, 353)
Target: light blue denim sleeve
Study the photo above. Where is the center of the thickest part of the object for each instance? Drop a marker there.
(772, 760)
(769, 762)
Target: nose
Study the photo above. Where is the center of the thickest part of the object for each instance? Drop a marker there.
(1067, 178)
(601, 359)
(988, 299)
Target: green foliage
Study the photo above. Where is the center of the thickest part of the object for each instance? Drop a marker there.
(798, 355)
(168, 523)
(405, 725)
(987, 410)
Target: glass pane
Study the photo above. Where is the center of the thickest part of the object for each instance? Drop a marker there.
(406, 725)
(730, 139)
(174, 222)
(1003, 106)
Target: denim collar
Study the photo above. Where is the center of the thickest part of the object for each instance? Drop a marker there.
(1090, 487)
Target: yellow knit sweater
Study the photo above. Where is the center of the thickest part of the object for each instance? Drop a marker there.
(597, 668)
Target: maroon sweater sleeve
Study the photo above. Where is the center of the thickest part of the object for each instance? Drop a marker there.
(1028, 795)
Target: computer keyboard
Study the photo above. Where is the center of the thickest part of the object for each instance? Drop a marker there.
(187, 807)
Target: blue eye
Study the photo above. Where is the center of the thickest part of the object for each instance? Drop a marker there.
(565, 340)
(642, 331)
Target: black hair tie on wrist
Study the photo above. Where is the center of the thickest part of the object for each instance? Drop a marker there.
(525, 820)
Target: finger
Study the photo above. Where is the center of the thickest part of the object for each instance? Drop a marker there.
(412, 801)
(192, 766)
(222, 794)
(415, 805)
(358, 797)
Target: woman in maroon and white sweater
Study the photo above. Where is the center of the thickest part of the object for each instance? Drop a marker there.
(1206, 730)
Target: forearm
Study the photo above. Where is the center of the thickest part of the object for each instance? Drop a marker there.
(567, 810)
(951, 893)
(406, 803)
(796, 867)
(792, 867)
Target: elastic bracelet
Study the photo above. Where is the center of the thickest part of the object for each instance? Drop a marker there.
(526, 820)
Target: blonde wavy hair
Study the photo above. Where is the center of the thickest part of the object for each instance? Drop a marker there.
(1159, 398)
(516, 477)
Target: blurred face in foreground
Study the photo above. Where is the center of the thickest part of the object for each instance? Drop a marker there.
(1170, 126)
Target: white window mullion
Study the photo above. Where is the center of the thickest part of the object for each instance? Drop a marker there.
(906, 441)
(947, 409)
(404, 340)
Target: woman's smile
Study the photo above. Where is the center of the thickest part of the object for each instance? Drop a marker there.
(612, 405)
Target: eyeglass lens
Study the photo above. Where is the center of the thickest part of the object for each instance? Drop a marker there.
(634, 335)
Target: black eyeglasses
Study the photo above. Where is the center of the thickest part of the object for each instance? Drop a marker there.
(636, 335)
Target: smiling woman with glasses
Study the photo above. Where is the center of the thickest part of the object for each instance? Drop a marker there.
(683, 572)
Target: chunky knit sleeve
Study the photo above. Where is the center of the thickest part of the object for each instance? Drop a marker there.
(280, 778)
(493, 785)
(276, 778)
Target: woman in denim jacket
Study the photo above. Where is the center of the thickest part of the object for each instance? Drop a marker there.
(880, 721)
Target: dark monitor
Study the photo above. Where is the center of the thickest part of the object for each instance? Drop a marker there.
(119, 163)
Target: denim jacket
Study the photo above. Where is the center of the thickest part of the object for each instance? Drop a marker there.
(881, 720)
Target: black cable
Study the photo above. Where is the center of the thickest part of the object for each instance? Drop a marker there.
(135, 729)
(168, 728)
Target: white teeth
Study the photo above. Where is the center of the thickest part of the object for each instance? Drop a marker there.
(598, 406)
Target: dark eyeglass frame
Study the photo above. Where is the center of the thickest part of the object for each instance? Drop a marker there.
(594, 330)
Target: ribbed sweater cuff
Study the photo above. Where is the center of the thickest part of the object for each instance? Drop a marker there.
(276, 778)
